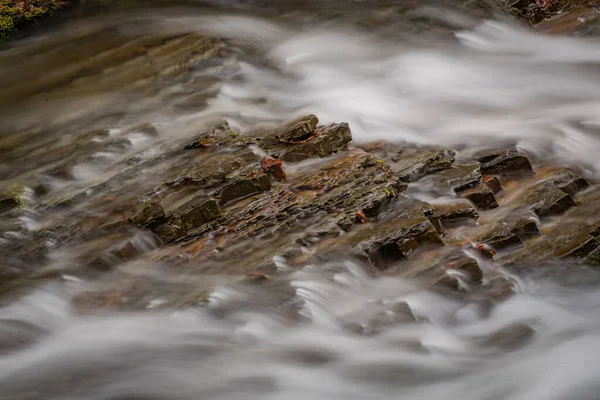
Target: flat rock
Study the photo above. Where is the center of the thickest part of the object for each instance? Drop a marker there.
(547, 200)
(329, 140)
(481, 196)
(504, 162)
(398, 234)
(461, 176)
(455, 211)
(411, 163)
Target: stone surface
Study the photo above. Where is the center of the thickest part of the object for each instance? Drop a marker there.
(546, 200)
(449, 212)
(481, 196)
(504, 162)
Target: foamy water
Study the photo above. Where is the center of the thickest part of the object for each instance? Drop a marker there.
(239, 348)
(497, 84)
(295, 338)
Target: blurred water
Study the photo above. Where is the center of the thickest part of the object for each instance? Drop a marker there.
(541, 344)
(487, 83)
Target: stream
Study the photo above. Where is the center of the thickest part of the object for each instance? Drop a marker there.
(429, 73)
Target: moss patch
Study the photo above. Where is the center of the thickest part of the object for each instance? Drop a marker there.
(16, 13)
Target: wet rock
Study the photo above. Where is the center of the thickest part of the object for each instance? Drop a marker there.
(169, 228)
(40, 190)
(454, 212)
(493, 183)
(481, 196)
(299, 129)
(150, 212)
(198, 214)
(547, 200)
(587, 246)
(510, 337)
(9, 203)
(460, 177)
(501, 239)
(10, 198)
(466, 265)
(410, 164)
(244, 187)
(274, 167)
(525, 229)
(219, 135)
(332, 139)
(398, 236)
(498, 289)
(569, 182)
(504, 162)
(593, 258)
(510, 233)
(440, 164)
(293, 132)
(126, 251)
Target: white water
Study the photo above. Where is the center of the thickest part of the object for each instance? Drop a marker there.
(496, 84)
(242, 345)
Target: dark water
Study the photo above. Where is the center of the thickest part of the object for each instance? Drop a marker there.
(422, 72)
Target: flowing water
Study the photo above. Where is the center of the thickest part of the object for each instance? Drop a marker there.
(436, 73)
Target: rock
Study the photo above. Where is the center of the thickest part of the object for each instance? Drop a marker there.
(504, 162)
(588, 246)
(219, 135)
(593, 258)
(570, 182)
(40, 190)
(150, 212)
(332, 139)
(548, 200)
(481, 196)
(492, 183)
(498, 289)
(273, 167)
(244, 187)
(501, 239)
(511, 337)
(510, 233)
(299, 129)
(293, 132)
(525, 229)
(11, 199)
(9, 203)
(398, 236)
(453, 212)
(440, 164)
(467, 265)
(198, 214)
(461, 177)
(169, 228)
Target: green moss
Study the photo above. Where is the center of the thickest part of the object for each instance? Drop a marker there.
(15, 192)
(389, 192)
(594, 259)
(7, 26)
(15, 14)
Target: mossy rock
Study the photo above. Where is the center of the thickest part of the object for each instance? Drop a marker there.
(14, 15)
